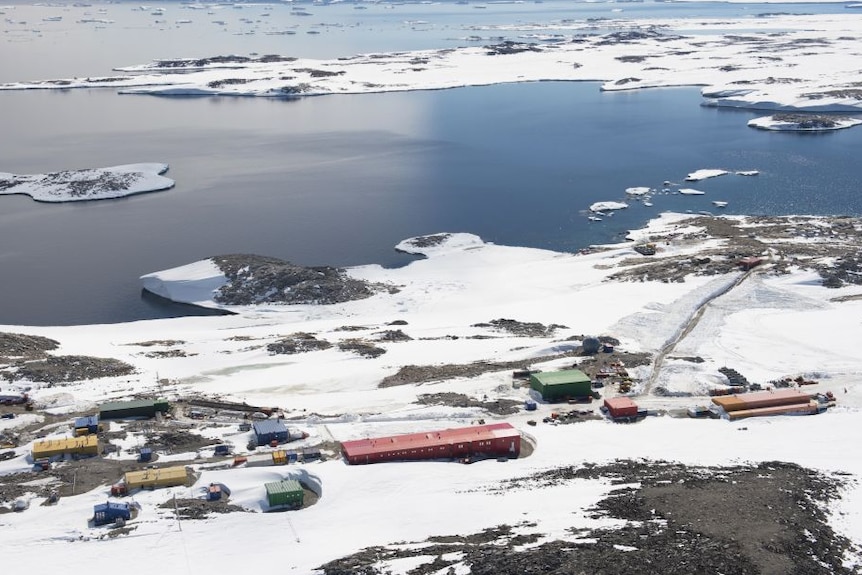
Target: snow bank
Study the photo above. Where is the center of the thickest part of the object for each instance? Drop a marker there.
(195, 283)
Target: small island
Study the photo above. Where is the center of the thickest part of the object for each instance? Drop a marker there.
(803, 122)
(88, 184)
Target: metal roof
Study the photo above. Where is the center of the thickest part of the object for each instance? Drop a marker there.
(362, 447)
(268, 426)
(283, 486)
(561, 377)
(619, 402)
(147, 476)
(89, 421)
(758, 399)
(111, 505)
(67, 444)
(134, 403)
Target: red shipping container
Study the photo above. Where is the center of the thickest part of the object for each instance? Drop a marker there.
(621, 407)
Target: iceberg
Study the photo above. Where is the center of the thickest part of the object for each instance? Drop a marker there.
(605, 206)
(704, 174)
(638, 191)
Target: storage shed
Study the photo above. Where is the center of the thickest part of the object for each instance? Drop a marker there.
(87, 445)
(107, 513)
(152, 478)
(761, 403)
(621, 407)
(86, 425)
(270, 430)
(755, 400)
(809, 408)
(311, 454)
(496, 439)
(560, 385)
(284, 493)
(137, 408)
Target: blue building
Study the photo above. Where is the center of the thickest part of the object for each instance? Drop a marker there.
(86, 425)
(107, 513)
(270, 430)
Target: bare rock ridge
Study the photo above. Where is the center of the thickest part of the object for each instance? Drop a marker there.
(256, 279)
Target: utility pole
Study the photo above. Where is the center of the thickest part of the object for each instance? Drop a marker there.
(177, 512)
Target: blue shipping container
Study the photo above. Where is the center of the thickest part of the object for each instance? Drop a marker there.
(107, 513)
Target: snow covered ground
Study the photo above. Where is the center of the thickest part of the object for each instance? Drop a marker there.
(771, 61)
(88, 184)
(767, 327)
(803, 123)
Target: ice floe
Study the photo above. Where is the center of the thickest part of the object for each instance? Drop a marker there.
(704, 174)
(605, 206)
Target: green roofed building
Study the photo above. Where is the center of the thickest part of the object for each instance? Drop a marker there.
(135, 408)
(560, 385)
(287, 492)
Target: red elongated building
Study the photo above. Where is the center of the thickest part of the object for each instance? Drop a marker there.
(496, 439)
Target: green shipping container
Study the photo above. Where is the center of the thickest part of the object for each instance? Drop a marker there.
(134, 408)
(284, 492)
(559, 385)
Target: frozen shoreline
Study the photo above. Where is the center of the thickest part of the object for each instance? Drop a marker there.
(736, 69)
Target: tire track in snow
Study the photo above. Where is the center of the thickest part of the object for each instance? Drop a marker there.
(689, 325)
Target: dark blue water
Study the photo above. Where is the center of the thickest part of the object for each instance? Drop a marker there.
(339, 180)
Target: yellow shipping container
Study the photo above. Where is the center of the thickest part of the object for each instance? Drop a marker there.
(87, 445)
(279, 457)
(152, 478)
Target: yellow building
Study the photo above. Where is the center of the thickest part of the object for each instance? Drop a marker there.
(152, 478)
(86, 445)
